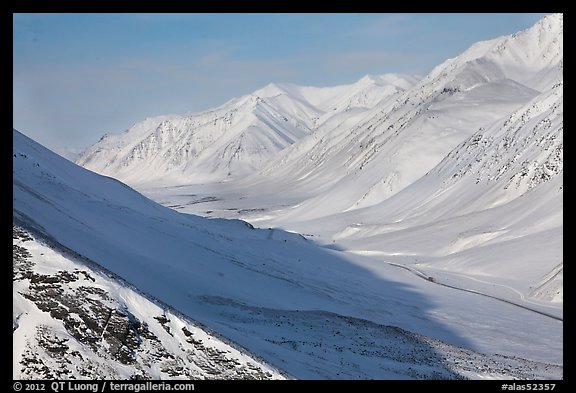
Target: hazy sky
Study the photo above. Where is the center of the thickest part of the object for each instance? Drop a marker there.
(78, 76)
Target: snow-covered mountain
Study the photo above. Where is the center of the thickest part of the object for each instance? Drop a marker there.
(235, 138)
(362, 142)
(363, 162)
(465, 177)
(492, 209)
(481, 133)
(298, 306)
(533, 57)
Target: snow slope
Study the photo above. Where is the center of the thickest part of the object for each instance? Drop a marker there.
(233, 139)
(72, 320)
(492, 209)
(308, 310)
(532, 57)
(370, 158)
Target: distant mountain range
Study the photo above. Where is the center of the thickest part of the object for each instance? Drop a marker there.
(236, 138)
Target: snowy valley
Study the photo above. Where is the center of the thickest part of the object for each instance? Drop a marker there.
(399, 227)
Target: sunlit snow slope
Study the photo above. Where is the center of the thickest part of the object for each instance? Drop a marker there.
(305, 309)
(492, 209)
(360, 163)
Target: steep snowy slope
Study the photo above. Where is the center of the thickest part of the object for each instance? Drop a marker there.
(493, 208)
(350, 166)
(72, 320)
(297, 305)
(234, 139)
(533, 57)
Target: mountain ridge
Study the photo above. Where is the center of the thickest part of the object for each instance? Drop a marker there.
(233, 139)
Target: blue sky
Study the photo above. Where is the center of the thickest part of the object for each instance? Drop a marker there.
(78, 76)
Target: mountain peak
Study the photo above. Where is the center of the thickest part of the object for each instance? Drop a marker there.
(398, 80)
(532, 57)
(270, 90)
(552, 22)
(370, 78)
